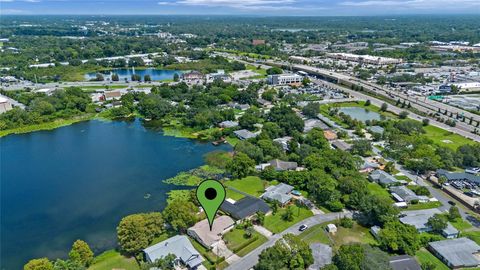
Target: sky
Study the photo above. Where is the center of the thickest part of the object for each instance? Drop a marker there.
(241, 7)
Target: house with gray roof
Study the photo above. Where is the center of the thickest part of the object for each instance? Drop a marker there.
(383, 178)
(284, 141)
(457, 253)
(314, 123)
(280, 165)
(450, 176)
(341, 145)
(419, 219)
(245, 207)
(228, 124)
(280, 193)
(178, 245)
(404, 194)
(404, 262)
(377, 129)
(244, 134)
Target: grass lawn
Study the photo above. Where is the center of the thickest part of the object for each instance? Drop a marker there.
(276, 224)
(439, 135)
(210, 257)
(316, 234)
(232, 140)
(237, 242)
(112, 259)
(424, 255)
(474, 235)
(356, 234)
(461, 224)
(378, 190)
(403, 178)
(251, 185)
(421, 206)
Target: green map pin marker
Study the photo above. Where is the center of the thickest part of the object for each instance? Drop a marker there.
(211, 194)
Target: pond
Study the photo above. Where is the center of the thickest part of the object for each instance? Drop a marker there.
(77, 182)
(361, 114)
(126, 74)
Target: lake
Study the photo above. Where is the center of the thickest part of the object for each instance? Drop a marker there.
(361, 114)
(77, 182)
(124, 73)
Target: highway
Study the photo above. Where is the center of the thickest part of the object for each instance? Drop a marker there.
(251, 259)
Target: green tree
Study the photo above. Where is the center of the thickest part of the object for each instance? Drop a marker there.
(274, 71)
(115, 77)
(165, 263)
(361, 147)
(289, 253)
(260, 217)
(135, 232)
(176, 77)
(453, 213)
(81, 253)
(288, 215)
(403, 115)
(399, 237)
(180, 214)
(38, 264)
(311, 110)
(349, 257)
(147, 78)
(438, 223)
(384, 107)
(240, 166)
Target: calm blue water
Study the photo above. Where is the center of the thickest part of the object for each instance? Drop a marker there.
(361, 114)
(77, 182)
(123, 73)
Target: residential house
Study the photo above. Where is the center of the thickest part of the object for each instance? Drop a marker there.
(457, 253)
(341, 145)
(369, 167)
(419, 219)
(314, 123)
(112, 95)
(404, 194)
(383, 178)
(280, 165)
(280, 193)
(245, 207)
(284, 141)
(330, 135)
(5, 105)
(209, 238)
(244, 134)
(178, 245)
(377, 129)
(404, 262)
(228, 124)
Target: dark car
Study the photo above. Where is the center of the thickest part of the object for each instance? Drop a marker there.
(452, 203)
(303, 227)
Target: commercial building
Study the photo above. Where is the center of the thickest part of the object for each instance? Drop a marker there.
(457, 253)
(458, 176)
(365, 59)
(209, 238)
(178, 245)
(285, 79)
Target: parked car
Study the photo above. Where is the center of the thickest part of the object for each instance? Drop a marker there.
(303, 227)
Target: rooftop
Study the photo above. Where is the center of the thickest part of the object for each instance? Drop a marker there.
(382, 177)
(460, 252)
(458, 176)
(244, 134)
(244, 207)
(209, 237)
(178, 245)
(280, 193)
(281, 165)
(404, 262)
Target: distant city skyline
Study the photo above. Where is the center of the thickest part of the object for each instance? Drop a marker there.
(240, 7)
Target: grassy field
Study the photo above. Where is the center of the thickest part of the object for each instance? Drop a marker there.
(421, 206)
(424, 255)
(237, 242)
(251, 185)
(446, 138)
(378, 190)
(474, 235)
(461, 224)
(316, 234)
(112, 259)
(276, 224)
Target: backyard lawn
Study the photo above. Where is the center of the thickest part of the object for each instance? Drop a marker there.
(210, 257)
(276, 223)
(378, 190)
(239, 244)
(461, 224)
(421, 206)
(424, 255)
(112, 259)
(251, 185)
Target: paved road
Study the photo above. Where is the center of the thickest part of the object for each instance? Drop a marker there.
(251, 259)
